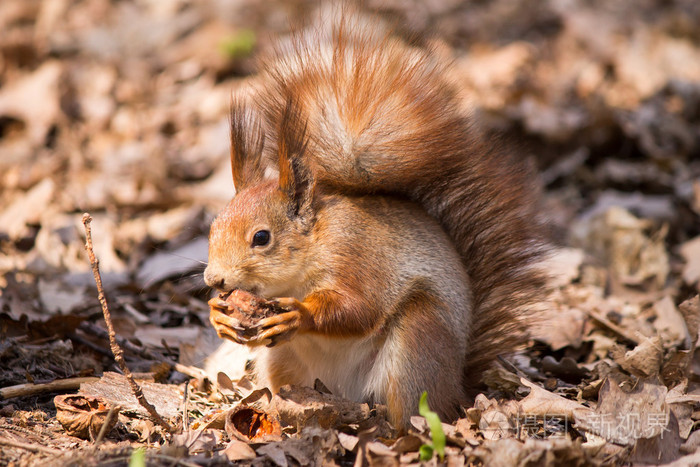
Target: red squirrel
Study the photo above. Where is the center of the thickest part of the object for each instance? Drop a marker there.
(402, 241)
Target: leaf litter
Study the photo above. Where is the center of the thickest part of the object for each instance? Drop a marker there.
(121, 109)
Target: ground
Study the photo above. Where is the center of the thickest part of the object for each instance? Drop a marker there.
(120, 109)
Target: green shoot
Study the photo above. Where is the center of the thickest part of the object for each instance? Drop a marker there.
(239, 44)
(138, 458)
(436, 433)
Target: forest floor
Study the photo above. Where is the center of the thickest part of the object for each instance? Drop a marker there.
(120, 109)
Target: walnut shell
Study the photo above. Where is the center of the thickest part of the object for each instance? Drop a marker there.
(253, 425)
(82, 416)
(245, 308)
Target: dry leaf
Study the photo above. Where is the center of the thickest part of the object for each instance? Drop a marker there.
(238, 451)
(35, 100)
(690, 251)
(349, 442)
(669, 322)
(644, 360)
(495, 424)
(541, 402)
(564, 266)
(302, 406)
(26, 209)
(559, 326)
(203, 440)
(627, 244)
(624, 417)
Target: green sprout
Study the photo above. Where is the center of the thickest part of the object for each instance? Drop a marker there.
(138, 458)
(436, 433)
(238, 44)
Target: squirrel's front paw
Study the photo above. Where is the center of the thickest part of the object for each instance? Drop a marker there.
(283, 326)
(226, 326)
(238, 316)
(250, 320)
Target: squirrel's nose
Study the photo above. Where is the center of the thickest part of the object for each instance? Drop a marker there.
(214, 280)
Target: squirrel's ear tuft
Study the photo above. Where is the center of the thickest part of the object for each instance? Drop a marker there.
(296, 178)
(247, 141)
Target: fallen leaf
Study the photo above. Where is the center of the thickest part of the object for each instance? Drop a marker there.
(26, 209)
(275, 453)
(634, 251)
(564, 266)
(238, 451)
(669, 322)
(559, 326)
(541, 402)
(302, 406)
(203, 440)
(644, 360)
(690, 251)
(35, 100)
(349, 442)
(624, 417)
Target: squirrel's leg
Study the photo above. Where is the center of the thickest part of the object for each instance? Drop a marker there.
(280, 365)
(421, 354)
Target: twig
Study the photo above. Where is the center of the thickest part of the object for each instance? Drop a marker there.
(185, 410)
(116, 350)
(29, 389)
(30, 447)
(113, 412)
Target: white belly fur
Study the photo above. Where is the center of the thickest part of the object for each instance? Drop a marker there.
(346, 366)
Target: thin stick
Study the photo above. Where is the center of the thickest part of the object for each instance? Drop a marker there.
(113, 412)
(116, 350)
(29, 389)
(30, 447)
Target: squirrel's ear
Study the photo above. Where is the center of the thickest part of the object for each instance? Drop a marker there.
(296, 179)
(247, 141)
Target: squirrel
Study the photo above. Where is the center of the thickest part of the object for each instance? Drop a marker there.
(402, 241)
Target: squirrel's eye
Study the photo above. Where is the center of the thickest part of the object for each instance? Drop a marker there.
(261, 238)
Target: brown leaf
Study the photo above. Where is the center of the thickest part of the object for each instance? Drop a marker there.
(215, 419)
(541, 402)
(624, 417)
(25, 209)
(669, 322)
(301, 406)
(690, 251)
(203, 440)
(35, 100)
(238, 451)
(690, 309)
(559, 326)
(634, 251)
(644, 360)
